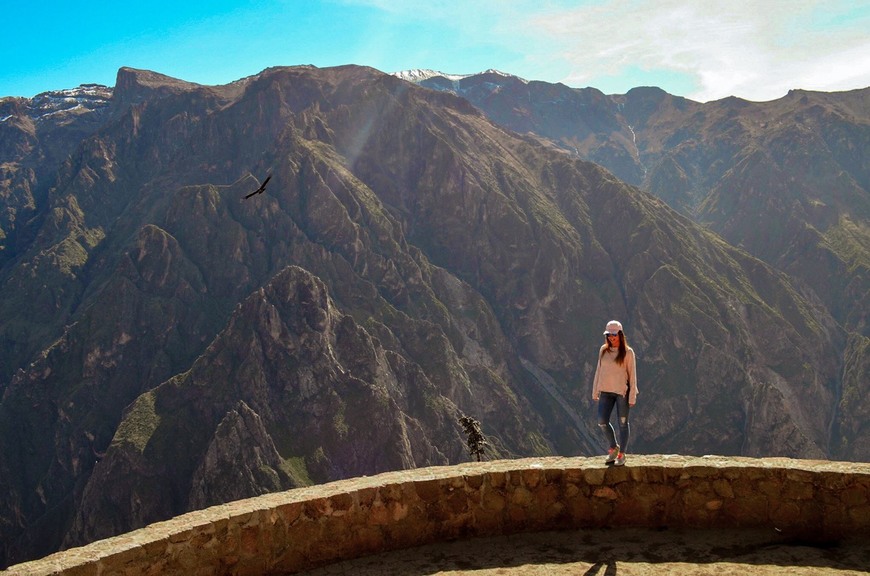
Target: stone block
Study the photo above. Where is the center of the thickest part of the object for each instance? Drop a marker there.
(379, 514)
(290, 511)
(696, 499)
(576, 476)
(741, 487)
(606, 493)
(395, 493)
(595, 476)
(795, 475)
(317, 507)
(617, 474)
(771, 488)
(521, 496)
(553, 475)
(497, 479)
(181, 536)
(341, 503)
(428, 490)
(474, 482)
(722, 488)
(548, 495)
(644, 475)
(366, 496)
(659, 492)
(531, 478)
(493, 501)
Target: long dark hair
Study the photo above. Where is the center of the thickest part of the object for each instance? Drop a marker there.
(620, 354)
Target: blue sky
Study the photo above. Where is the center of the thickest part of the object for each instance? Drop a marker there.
(701, 49)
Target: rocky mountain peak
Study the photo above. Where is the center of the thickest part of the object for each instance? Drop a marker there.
(86, 98)
(133, 86)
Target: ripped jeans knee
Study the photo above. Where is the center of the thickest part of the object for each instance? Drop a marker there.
(606, 403)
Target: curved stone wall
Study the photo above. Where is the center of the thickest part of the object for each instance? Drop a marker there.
(308, 527)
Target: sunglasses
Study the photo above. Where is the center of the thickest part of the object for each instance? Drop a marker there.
(609, 335)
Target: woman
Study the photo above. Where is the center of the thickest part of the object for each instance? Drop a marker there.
(615, 384)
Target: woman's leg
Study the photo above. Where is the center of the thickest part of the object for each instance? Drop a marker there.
(606, 401)
(622, 414)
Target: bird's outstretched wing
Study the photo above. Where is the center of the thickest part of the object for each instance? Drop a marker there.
(261, 188)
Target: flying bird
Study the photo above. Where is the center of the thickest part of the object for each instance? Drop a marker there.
(261, 188)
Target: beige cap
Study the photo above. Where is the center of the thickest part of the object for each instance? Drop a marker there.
(613, 327)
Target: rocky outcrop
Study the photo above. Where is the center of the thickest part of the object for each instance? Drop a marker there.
(241, 461)
(36, 136)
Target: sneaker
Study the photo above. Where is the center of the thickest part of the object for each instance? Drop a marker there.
(620, 460)
(611, 455)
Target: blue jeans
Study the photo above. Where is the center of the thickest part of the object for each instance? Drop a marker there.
(606, 402)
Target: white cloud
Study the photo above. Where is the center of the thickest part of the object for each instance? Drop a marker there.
(749, 48)
(755, 49)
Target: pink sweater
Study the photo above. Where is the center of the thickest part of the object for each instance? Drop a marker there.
(611, 377)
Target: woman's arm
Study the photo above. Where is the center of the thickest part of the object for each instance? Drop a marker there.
(595, 381)
(631, 369)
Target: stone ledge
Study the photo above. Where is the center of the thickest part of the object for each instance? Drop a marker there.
(300, 529)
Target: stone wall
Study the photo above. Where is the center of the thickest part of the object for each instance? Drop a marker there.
(308, 527)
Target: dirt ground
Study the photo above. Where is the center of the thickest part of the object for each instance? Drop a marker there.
(625, 552)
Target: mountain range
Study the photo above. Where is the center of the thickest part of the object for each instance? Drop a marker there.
(423, 250)
(785, 180)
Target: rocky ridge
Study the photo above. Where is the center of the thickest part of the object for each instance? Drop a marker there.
(785, 180)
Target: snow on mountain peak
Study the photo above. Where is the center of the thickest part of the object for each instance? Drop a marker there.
(505, 74)
(420, 74)
(85, 98)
